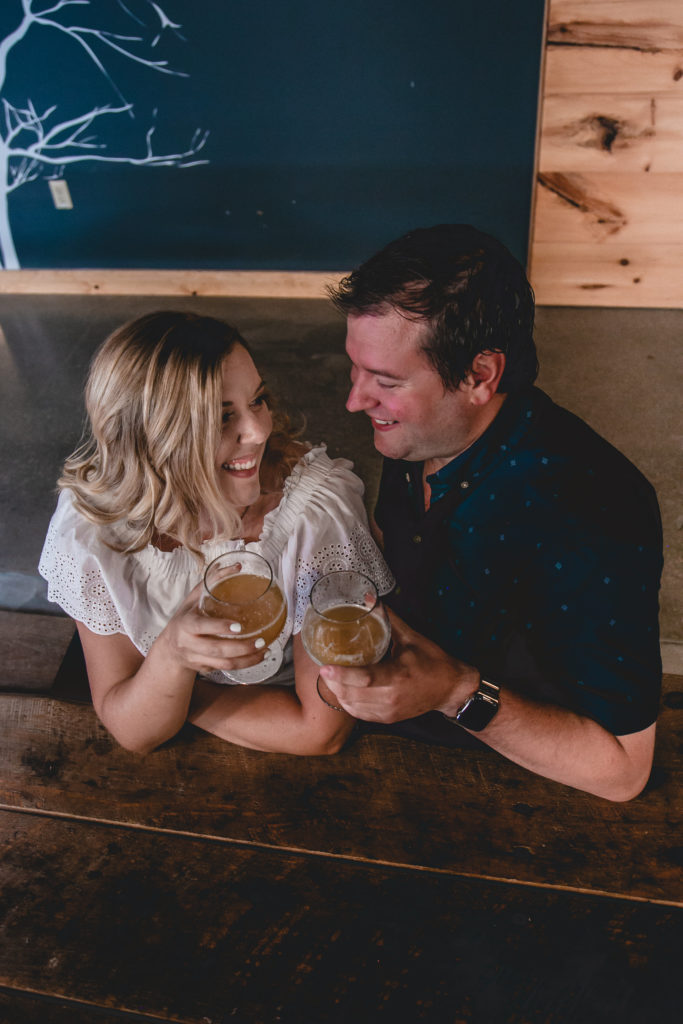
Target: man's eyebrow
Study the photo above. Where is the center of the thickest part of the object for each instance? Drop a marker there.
(383, 373)
(257, 392)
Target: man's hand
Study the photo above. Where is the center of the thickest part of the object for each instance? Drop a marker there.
(418, 677)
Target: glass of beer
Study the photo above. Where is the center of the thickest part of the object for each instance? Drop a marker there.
(345, 624)
(241, 586)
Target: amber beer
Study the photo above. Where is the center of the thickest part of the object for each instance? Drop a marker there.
(347, 635)
(255, 602)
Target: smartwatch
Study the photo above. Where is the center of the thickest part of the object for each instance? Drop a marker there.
(479, 709)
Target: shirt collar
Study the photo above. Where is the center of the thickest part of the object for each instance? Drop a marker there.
(516, 415)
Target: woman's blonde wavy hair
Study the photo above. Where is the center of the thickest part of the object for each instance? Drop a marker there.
(147, 458)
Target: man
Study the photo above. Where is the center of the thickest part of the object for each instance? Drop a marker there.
(527, 550)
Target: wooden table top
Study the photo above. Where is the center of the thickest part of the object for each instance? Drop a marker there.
(395, 880)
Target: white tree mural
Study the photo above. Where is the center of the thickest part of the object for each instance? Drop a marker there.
(37, 143)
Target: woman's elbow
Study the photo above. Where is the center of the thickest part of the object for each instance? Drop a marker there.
(327, 744)
(134, 745)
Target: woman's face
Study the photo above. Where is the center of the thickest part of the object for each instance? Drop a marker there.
(247, 424)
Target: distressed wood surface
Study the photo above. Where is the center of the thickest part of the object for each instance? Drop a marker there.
(187, 930)
(384, 799)
(631, 133)
(32, 647)
(17, 1007)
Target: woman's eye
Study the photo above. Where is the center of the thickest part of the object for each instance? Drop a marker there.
(259, 401)
(227, 416)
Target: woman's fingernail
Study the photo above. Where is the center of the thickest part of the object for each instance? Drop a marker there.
(260, 643)
(235, 627)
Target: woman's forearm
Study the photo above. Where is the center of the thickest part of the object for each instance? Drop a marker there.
(266, 717)
(275, 718)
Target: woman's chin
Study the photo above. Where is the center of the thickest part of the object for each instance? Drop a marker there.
(241, 492)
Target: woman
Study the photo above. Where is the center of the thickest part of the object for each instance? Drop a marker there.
(183, 461)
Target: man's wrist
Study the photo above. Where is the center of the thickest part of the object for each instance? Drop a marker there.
(466, 686)
(479, 709)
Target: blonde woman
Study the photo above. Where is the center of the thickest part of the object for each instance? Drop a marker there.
(182, 461)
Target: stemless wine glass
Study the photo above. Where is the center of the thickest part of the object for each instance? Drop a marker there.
(241, 586)
(345, 624)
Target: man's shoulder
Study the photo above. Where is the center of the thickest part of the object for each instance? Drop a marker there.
(568, 440)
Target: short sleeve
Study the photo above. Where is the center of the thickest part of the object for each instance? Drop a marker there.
(72, 562)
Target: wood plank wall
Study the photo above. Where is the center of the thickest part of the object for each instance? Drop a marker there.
(607, 228)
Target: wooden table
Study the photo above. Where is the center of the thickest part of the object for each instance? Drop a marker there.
(395, 881)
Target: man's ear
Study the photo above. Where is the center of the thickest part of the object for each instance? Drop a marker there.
(484, 376)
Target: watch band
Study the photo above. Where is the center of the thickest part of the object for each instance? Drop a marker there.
(479, 709)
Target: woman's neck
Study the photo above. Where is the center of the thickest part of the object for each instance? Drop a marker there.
(252, 523)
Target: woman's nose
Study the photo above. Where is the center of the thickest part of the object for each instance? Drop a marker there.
(254, 428)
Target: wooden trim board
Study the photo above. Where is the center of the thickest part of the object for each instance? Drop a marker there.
(244, 283)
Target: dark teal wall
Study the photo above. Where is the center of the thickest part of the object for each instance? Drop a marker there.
(332, 128)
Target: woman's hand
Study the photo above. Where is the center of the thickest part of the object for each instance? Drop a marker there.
(143, 701)
(205, 644)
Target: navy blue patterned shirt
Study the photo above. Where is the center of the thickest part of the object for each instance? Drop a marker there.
(538, 561)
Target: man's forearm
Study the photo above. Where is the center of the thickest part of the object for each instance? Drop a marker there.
(549, 740)
(568, 748)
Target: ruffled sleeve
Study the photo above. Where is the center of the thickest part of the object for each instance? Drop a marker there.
(73, 562)
(321, 526)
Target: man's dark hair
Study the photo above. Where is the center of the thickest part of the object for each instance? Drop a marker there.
(466, 285)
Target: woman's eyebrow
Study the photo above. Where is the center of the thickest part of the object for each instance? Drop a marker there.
(258, 390)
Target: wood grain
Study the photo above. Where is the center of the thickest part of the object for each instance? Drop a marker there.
(635, 24)
(570, 70)
(614, 207)
(246, 283)
(609, 184)
(194, 931)
(623, 132)
(32, 647)
(384, 799)
(609, 274)
(17, 1007)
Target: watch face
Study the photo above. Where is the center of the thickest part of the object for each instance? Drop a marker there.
(477, 713)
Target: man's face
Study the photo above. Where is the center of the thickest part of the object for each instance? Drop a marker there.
(413, 416)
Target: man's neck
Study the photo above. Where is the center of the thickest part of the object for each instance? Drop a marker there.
(480, 426)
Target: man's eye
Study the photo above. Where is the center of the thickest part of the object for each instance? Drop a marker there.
(386, 386)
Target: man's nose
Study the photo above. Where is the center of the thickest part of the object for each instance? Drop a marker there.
(358, 398)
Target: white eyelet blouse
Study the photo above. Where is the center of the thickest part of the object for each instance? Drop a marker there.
(319, 525)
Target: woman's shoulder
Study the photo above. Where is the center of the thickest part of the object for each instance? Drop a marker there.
(316, 471)
(323, 486)
(73, 540)
(318, 490)
(68, 521)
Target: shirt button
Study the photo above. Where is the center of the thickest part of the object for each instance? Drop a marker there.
(417, 539)
(464, 484)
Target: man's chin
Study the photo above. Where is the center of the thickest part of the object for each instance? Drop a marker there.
(388, 445)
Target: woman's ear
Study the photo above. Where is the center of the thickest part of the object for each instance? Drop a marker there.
(484, 376)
